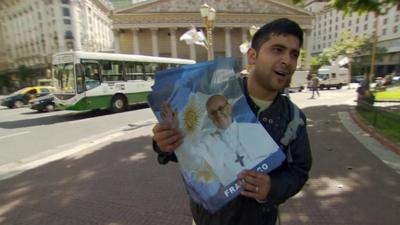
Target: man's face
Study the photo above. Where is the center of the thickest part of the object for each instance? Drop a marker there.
(219, 112)
(275, 62)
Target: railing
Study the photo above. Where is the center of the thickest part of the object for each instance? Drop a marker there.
(379, 117)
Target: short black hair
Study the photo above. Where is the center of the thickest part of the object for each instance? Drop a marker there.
(280, 26)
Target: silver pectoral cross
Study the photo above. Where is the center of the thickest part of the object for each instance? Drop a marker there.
(239, 159)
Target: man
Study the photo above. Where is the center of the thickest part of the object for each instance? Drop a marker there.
(231, 148)
(273, 55)
(314, 85)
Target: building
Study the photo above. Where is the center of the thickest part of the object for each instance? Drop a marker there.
(123, 3)
(31, 31)
(328, 23)
(153, 27)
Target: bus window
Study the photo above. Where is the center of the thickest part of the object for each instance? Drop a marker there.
(92, 75)
(152, 68)
(134, 71)
(111, 71)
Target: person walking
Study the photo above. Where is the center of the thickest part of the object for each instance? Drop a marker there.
(314, 85)
(273, 55)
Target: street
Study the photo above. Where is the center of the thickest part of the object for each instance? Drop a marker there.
(118, 180)
(26, 133)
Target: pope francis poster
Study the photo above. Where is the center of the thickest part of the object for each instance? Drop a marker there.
(222, 134)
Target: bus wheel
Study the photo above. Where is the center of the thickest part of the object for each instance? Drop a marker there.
(118, 103)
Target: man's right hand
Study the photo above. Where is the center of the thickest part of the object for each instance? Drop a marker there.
(167, 137)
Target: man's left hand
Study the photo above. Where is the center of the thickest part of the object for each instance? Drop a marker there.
(255, 185)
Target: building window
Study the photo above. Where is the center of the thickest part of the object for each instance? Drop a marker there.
(357, 29)
(66, 12)
(65, 2)
(366, 26)
(349, 22)
(67, 21)
(385, 21)
(68, 34)
(395, 29)
(366, 17)
(384, 31)
(396, 19)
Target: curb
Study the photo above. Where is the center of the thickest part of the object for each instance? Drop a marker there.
(371, 131)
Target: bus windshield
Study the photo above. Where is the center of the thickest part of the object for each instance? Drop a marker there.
(64, 80)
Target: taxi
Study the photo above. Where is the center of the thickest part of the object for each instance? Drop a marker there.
(22, 97)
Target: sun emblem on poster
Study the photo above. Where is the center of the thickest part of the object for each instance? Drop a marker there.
(192, 116)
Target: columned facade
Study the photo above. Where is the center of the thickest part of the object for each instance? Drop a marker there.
(154, 28)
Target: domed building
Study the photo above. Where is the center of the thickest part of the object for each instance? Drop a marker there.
(153, 27)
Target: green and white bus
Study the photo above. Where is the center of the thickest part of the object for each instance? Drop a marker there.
(91, 80)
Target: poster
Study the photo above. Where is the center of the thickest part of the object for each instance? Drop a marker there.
(222, 136)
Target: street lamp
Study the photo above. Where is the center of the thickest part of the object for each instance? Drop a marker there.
(208, 14)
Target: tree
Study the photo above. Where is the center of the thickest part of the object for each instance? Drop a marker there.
(360, 6)
(378, 7)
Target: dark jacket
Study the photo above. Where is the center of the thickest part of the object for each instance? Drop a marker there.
(287, 179)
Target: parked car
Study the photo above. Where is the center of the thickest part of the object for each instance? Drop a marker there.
(357, 79)
(22, 97)
(44, 103)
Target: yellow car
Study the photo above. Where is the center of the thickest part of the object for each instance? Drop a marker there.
(22, 97)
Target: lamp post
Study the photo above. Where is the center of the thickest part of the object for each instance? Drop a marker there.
(208, 14)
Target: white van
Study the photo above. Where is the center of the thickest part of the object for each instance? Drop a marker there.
(299, 80)
(333, 76)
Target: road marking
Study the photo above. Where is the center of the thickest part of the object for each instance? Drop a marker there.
(16, 134)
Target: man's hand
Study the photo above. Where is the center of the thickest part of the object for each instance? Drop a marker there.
(167, 137)
(167, 134)
(255, 185)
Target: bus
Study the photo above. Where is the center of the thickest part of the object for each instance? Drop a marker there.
(92, 80)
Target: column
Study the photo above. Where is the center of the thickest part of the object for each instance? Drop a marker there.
(59, 29)
(228, 43)
(116, 41)
(307, 48)
(174, 50)
(244, 38)
(75, 22)
(192, 52)
(135, 36)
(154, 41)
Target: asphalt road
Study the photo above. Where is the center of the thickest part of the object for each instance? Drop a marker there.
(26, 134)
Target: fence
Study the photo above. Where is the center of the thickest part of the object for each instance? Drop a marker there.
(384, 119)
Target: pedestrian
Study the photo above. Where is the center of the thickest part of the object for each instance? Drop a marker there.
(314, 85)
(273, 55)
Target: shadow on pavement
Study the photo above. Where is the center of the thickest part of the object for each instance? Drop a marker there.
(118, 184)
(348, 184)
(122, 184)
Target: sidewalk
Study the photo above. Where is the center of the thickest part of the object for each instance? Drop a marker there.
(121, 184)
(349, 183)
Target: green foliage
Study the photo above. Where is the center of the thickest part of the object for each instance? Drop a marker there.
(25, 73)
(4, 80)
(345, 45)
(360, 6)
(392, 94)
(387, 123)
(363, 6)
